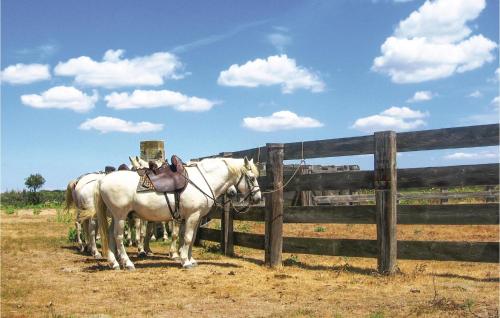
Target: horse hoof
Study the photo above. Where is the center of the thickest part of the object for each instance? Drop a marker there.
(188, 266)
(116, 267)
(97, 256)
(81, 249)
(150, 254)
(142, 254)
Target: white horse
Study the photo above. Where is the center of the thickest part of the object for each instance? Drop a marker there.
(174, 228)
(81, 196)
(117, 197)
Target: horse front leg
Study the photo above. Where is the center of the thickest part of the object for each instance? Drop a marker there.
(174, 254)
(191, 224)
(119, 228)
(190, 253)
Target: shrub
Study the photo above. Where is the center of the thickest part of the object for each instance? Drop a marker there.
(319, 229)
(72, 235)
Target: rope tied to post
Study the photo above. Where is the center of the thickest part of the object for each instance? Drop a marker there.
(301, 164)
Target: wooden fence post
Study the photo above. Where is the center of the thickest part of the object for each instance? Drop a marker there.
(226, 222)
(227, 244)
(274, 206)
(386, 200)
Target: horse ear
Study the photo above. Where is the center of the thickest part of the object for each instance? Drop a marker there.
(246, 162)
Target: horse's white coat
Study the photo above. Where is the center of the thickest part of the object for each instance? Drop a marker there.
(117, 192)
(83, 198)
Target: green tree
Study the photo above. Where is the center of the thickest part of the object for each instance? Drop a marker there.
(33, 183)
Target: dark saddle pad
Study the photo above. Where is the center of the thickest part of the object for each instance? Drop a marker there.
(167, 178)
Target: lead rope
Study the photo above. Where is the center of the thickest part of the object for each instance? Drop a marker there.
(301, 164)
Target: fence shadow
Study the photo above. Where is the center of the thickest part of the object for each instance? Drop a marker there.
(466, 277)
(346, 268)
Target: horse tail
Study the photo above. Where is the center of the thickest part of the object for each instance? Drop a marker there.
(102, 220)
(69, 202)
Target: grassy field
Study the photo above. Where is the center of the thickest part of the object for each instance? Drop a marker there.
(43, 275)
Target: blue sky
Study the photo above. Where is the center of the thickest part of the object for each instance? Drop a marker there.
(84, 82)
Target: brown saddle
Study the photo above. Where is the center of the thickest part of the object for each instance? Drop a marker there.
(167, 178)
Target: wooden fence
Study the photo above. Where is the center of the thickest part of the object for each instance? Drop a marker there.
(386, 179)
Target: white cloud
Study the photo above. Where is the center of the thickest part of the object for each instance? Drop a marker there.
(394, 118)
(434, 42)
(442, 21)
(496, 103)
(275, 70)
(62, 97)
(475, 94)
(25, 73)
(279, 40)
(115, 71)
(421, 96)
(161, 98)
(110, 124)
(471, 155)
(282, 120)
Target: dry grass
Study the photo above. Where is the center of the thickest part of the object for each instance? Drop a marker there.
(44, 276)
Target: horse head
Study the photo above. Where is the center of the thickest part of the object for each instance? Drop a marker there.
(247, 183)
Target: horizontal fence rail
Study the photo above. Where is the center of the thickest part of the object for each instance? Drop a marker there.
(451, 176)
(445, 138)
(452, 214)
(346, 198)
(411, 250)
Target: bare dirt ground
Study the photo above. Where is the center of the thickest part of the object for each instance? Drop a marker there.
(43, 275)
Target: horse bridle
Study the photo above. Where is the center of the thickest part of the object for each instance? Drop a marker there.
(250, 185)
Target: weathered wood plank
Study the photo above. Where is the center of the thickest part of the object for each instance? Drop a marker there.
(457, 137)
(352, 180)
(329, 148)
(416, 250)
(451, 176)
(337, 247)
(386, 200)
(212, 235)
(332, 199)
(249, 240)
(451, 214)
(446, 138)
(359, 214)
(274, 206)
(486, 252)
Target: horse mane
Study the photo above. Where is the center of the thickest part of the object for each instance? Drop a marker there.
(235, 170)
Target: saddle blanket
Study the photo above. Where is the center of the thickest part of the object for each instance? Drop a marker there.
(145, 184)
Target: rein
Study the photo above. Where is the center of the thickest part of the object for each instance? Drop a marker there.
(212, 196)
